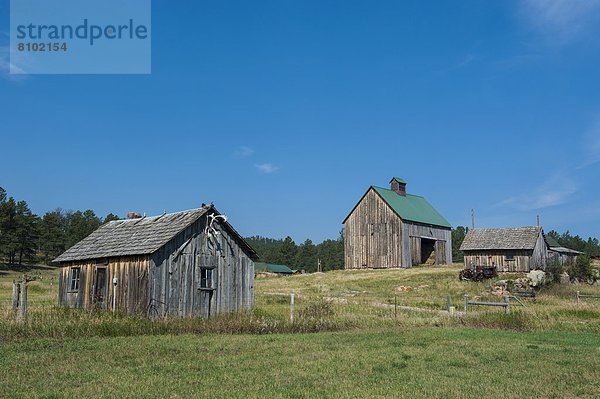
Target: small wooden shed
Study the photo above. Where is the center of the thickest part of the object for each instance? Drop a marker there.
(557, 253)
(519, 249)
(390, 228)
(190, 263)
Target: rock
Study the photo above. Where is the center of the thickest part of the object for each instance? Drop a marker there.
(537, 278)
(403, 288)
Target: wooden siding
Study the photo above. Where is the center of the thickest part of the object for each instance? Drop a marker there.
(167, 283)
(519, 263)
(564, 259)
(510, 260)
(175, 281)
(376, 237)
(131, 290)
(373, 235)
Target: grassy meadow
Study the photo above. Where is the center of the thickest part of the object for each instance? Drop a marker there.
(348, 340)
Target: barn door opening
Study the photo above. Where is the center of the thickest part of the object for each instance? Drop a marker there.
(99, 292)
(427, 251)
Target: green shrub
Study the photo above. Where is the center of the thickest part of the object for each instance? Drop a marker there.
(582, 269)
(554, 270)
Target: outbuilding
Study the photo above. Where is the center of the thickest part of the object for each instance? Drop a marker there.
(390, 228)
(190, 263)
(557, 253)
(519, 249)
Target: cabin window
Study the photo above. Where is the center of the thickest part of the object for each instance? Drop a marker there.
(206, 279)
(75, 276)
(509, 256)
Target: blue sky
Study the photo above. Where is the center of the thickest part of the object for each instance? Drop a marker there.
(284, 113)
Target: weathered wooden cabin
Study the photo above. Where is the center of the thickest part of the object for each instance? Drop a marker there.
(558, 253)
(190, 263)
(519, 249)
(390, 228)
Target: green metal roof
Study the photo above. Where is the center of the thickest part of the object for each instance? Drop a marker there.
(272, 268)
(412, 207)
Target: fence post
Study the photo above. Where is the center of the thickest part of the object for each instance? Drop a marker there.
(507, 307)
(23, 305)
(466, 302)
(292, 308)
(577, 296)
(15, 295)
(395, 306)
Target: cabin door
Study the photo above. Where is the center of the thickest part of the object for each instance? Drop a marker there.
(99, 291)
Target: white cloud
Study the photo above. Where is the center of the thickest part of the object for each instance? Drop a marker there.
(561, 20)
(243, 152)
(556, 190)
(266, 167)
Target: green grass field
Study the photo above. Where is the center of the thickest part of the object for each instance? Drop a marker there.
(548, 349)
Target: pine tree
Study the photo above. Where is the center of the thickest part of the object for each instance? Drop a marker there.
(26, 232)
(306, 257)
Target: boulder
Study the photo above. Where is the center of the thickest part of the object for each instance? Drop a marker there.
(537, 278)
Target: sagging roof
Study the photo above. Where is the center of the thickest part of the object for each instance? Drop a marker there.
(272, 268)
(515, 238)
(413, 208)
(564, 250)
(141, 236)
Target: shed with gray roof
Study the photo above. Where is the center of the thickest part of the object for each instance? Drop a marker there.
(190, 263)
(518, 249)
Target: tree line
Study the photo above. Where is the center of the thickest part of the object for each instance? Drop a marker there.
(27, 237)
(305, 256)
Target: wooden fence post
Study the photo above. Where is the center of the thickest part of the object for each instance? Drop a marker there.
(466, 302)
(577, 296)
(395, 306)
(292, 308)
(15, 295)
(507, 307)
(23, 305)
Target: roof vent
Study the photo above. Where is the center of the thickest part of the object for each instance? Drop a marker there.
(398, 185)
(133, 215)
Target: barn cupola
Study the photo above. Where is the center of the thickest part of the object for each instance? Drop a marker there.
(398, 185)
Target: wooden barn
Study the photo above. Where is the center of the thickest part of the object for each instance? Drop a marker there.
(519, 249)
(190, 263)
(558, 253)
(390, 228)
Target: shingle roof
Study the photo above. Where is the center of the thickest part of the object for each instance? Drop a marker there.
(138, 236)
(508, 238)
(412, 208)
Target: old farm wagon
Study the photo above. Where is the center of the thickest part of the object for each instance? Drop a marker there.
(190, 263)
(519, 249)
(389, 228)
